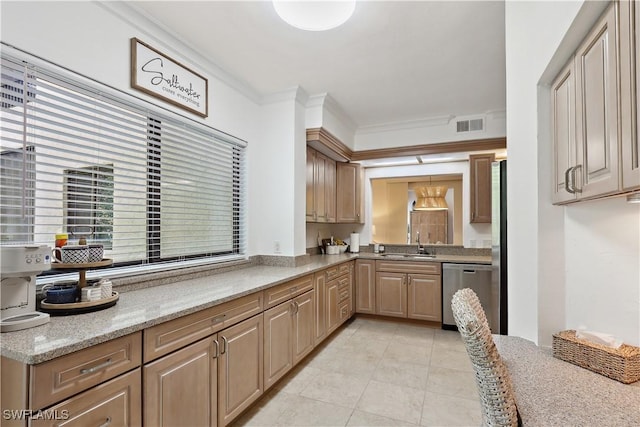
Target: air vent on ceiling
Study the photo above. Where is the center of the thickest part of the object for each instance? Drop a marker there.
(469, 125)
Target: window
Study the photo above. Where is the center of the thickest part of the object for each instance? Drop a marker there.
(151, 185)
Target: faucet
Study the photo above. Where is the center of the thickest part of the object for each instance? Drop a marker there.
(420, 247)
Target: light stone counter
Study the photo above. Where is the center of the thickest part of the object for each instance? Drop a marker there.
(552, 392)
(460, 259)
(139, 309)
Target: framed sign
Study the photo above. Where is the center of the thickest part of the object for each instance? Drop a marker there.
(160, 76)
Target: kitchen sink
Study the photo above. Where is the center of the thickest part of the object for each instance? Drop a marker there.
(407, 256)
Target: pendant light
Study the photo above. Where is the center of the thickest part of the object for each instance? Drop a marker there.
(431, 198)
(315, 15)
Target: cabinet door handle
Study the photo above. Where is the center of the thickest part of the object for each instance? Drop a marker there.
(409, 279)
(567, 186)
(297, 307)
(93, 369)
(573, 178)
(216, 352)
(106, 422)
(224, 345)
(292, 308)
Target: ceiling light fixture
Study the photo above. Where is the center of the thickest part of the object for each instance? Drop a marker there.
(315, 15)
(431, 198)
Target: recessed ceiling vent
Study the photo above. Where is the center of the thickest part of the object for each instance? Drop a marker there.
(469, 125)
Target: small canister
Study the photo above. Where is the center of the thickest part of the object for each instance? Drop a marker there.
(61, 239)
(106, 288)
(90, 293)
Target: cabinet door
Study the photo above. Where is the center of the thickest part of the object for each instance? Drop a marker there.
(597, 110)
(330, 190)
(311, 189)
(391, 294)
(278, 340)
(629, 94)
(431, 224)
(331, 300)
(349, 193)
(180, 388)
(480, 181)
(320, 284)
(303, 325)
(365, 286)
(320, 188)
(424, 297)
(240, 367)
(563, 100)
(116, 402)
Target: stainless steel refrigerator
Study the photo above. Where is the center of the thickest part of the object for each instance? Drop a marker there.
(499, 244)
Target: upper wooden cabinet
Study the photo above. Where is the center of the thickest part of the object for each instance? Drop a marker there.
(349, 181)
(321, 187)
(480, 183)
(629, 94)
(594, 112)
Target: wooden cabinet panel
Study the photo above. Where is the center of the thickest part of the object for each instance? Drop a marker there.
(332, 311)
(321, 187)
(349, 208)
(417, 267)
(303, 322)
(424, 297)
(480, 181)
(365, 286)
(169, 336)
(431, 224)
(330, 190)
(563, 99)
(181, 388)
(278, 341)
(597, 110)
(629, 94)
(391, 294)
(311, 179)
(116, 403)
(320, 284)
(281, 293)
(338, 270)
(67, 375)
(240, 364)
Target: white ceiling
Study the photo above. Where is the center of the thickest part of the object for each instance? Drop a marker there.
(391, 62)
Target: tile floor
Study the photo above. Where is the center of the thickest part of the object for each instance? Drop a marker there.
(376, 372)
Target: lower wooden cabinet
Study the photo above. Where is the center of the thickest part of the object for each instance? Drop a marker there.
(402, 289)
(289, 335)
(240, 364)
(113, 403)
(181, 388)
(391, 294)
(319, 285)
(365, 297)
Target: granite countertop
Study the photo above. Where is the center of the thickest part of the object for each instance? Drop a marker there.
(141, 308)
(461, 259)
(552, 392)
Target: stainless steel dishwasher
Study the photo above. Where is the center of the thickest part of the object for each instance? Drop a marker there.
(477, 277)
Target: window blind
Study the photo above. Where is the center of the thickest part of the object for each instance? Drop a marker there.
(82, 158)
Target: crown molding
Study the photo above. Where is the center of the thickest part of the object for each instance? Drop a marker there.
(323, 140)
(437, 148)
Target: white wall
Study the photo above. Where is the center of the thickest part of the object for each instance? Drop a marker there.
(568, 266)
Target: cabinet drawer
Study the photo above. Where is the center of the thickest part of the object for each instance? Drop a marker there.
(64, 376)
(114, 403)
(343, 282)
(174, 334)
(281, 293)
(418, 267)
(338, 270)
(343, 294)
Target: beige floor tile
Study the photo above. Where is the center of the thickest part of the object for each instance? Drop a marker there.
(416, 354)
(392, 401)
(443, 410)
(302, 411)
(447, 357)
(296, 380)
(414, 335)
(402, 373)
(452, 382)
(265, 412)
(337, 388)
(365, 419)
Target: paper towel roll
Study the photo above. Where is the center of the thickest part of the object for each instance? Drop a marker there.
(354, 242)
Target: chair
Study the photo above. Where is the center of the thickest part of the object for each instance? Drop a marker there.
(492, 377)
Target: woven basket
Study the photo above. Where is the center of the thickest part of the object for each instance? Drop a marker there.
(621, 364)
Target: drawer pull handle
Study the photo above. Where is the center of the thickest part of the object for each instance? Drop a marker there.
(218, 319)
(97, 367)
(106, 423)
(217, 349)
(293, 289)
